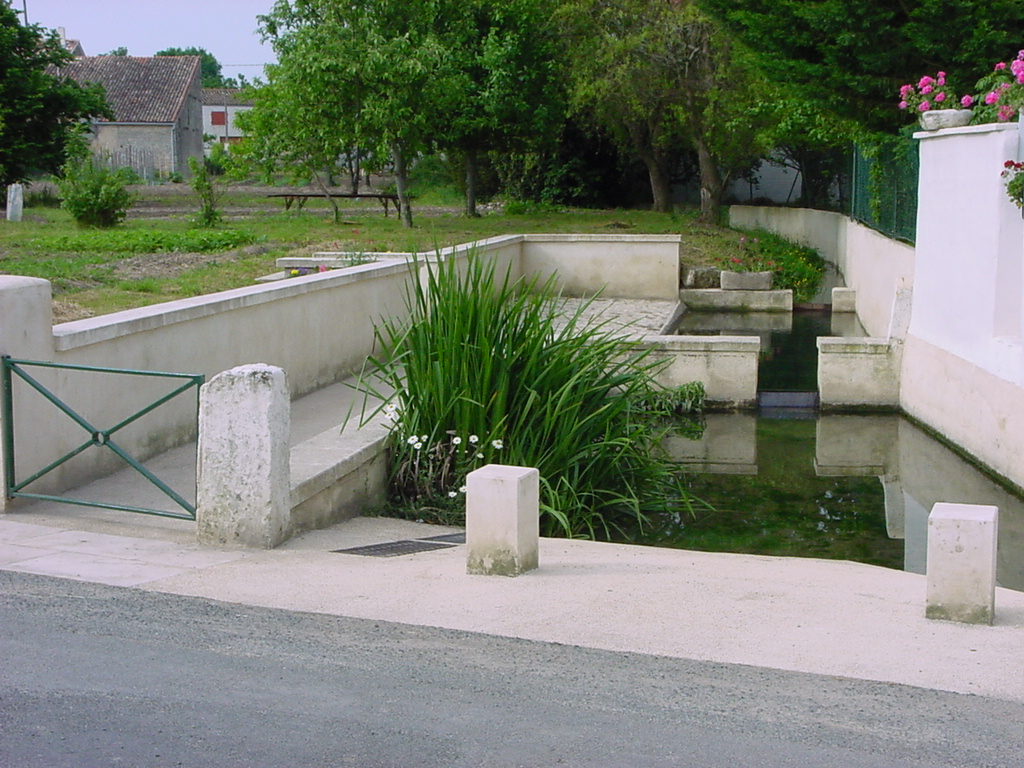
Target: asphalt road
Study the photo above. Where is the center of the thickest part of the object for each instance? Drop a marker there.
(104, 676)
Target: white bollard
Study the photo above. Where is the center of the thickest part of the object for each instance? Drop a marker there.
(961, 562)
(502, 520)
(243, 485)
(15, 201)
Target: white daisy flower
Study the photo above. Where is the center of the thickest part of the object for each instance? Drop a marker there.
(456, 440)
(474, 439)
(498, 445)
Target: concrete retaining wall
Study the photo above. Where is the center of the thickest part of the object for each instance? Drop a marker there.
(318, 328)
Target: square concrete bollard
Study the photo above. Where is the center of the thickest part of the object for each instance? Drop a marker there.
(243, 485)
(844, 299)
(502, 520)
(961, 562)
(15, 201)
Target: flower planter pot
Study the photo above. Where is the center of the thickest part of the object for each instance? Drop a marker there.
(934, 119)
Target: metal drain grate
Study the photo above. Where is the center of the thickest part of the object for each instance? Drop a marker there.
(451, 538)
(394, 548)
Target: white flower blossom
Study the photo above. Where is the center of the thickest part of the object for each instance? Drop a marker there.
(498, 445)
(417, 445)
(452, 494)
(479, 455)
(413, 440)
(462, 489)
(474, 439)
(456, 440)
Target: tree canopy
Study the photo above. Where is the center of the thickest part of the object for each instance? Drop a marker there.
(851, 57)
(41, 112)
(209, 67)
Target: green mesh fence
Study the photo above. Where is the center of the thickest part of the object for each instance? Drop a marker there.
(887, 202)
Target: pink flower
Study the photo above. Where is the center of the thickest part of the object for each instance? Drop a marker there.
(991, 98)
(1000, 65)
(967, 101)
(1006, 113)
(924, 106)
(926, 89)
(940, 96)
(925, 81)
(903, 105)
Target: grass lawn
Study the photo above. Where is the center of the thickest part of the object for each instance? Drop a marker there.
(159, 255)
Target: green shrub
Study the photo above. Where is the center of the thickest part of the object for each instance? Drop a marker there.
(797, 267)
(489, 371)
(209, 194)
(93, 193)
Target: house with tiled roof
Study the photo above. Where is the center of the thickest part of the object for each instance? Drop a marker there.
(157, 107)
(220, 107)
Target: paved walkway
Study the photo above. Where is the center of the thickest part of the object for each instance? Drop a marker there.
(834, 618)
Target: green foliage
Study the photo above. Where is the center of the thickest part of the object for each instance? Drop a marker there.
(143, 241)
(93, 193)
(203, 185)
(209, 67)
(42, 198)
(489, 371)
(660, 77)
(851, 57)
(797, 267)
(41, 114)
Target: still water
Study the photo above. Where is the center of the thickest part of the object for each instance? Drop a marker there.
(852, 487)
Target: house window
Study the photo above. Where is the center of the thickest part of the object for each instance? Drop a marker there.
(219, 118)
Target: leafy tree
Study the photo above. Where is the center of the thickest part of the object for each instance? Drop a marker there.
(659, 77)
(851, 57)
(41, 113)
(295, 127)
(209, 67)
(505, 55)
(377, 73)
(119, 51)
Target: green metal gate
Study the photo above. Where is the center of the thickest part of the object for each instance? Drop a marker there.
(101, 438)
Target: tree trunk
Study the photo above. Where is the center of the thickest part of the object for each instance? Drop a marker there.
(402, 183)
(472, 179)
(661, 187)
(711, 185)
(330, 198)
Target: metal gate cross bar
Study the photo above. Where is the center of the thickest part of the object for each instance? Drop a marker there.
(97, 437)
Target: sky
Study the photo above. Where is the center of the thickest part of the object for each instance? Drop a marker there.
(226, 28)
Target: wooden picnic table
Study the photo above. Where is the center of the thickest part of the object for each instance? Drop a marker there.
(301, 197)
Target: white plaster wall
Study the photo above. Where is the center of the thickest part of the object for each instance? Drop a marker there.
(967, 289)
(876, 267)
(620, 266)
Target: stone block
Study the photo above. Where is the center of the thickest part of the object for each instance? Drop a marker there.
(243, 486)
(502, 520)
(844, 300)
(15, 201)
(961, 563)
(746, 281)
(702, 277)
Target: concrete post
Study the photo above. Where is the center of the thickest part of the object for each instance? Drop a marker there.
(15, 201)
(26, 333)
(961, 570)
(502, 520)
(243, 486)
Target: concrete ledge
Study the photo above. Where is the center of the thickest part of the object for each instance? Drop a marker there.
(726, 365)
(336, 475)
(91, 330)
(717, 300)
(858, 373)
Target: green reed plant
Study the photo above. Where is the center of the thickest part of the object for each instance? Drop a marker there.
(487, 370)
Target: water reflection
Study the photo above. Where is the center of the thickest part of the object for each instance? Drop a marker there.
(856, 487)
